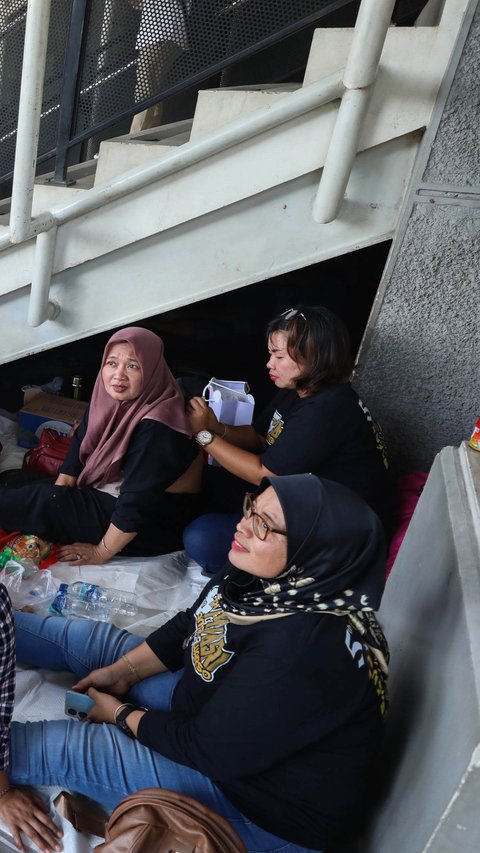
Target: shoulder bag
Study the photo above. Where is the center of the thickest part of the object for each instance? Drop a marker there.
(155, 819)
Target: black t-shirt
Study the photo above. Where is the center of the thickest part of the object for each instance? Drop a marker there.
(156, 457)
(282, 714)
(330, 434)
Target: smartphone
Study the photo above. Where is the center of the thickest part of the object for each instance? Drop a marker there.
(78, 704)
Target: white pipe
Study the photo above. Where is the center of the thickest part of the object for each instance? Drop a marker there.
(39, 307)
(371, 28)
(30, 107)
(341, 154)
(286, 109)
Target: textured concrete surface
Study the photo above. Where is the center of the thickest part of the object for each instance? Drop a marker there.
(421, 378)
(455, 157)
(419, 368)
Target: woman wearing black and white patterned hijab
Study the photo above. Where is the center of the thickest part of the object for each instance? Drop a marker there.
(336, 557)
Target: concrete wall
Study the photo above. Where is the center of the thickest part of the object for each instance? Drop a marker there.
(419, 362)
(429, 779)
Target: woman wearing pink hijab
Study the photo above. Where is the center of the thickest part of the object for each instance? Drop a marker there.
(128, 482)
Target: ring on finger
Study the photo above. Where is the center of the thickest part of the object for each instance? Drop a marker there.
(78, 556)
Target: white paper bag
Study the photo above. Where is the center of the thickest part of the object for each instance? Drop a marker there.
(231, 402)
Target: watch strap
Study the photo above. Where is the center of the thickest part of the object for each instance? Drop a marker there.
(120, 720)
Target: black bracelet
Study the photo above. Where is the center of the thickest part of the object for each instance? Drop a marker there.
(120, 718)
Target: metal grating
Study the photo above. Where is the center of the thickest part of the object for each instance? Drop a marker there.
(143, 48)
(12, 37)
(110, 59)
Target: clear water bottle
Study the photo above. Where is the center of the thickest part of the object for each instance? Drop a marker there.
(90, 601)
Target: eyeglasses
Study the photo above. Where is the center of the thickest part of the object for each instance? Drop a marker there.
(292, 312)
(261, 528)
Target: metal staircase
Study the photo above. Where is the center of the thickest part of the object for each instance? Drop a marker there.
(264, 181)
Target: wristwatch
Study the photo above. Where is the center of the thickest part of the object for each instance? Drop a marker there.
(204, 437)
(121, 717)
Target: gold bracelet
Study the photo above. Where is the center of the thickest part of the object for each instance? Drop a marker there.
(133, 669)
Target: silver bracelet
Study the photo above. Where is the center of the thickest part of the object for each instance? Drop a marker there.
(224, 431)
(117, 709)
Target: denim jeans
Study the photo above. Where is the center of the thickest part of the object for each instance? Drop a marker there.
(207, 539)
(98, 760)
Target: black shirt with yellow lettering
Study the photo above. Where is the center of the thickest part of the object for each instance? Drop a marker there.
(283, 714)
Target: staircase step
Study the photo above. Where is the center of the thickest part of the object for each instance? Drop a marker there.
(125, 152)
(47, 195)
(217, 107)
(411, 69)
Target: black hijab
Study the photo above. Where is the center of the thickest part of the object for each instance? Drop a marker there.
(335, 554)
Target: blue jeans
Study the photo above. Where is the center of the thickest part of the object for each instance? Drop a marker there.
(97, 760)
(207, 539)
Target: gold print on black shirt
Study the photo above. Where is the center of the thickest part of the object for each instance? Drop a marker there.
(275, 428)
(208, 642)
(377, 431)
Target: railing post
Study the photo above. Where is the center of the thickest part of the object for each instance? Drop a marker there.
(40, 308)
(29, 113)
(371, 28)
(70, 86)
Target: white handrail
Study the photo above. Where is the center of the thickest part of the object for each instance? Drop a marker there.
(369, 36)
(296, 104)
(28, 126)
(353, 86)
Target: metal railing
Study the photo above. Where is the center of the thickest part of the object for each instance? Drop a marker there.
(352, 86)
(110, 59)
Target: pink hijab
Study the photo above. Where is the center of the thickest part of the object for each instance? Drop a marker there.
(111, 423)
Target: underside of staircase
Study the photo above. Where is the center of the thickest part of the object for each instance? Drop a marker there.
(232, 218)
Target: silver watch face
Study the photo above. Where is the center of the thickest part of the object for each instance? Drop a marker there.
(204, 437)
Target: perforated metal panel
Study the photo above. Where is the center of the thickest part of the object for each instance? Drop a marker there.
(12, 37)
(120, 56)
(139, 49)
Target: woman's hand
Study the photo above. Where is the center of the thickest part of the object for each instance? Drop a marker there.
(82, 554)
(66, 480)
(22, 812)
(201, 416)
(105, 706)
(115, 679)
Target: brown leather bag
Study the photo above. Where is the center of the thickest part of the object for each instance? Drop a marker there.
(155, 820)
(49, 453)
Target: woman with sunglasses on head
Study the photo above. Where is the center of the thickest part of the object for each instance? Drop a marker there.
(316, 423)
(129, 478)
(265, 700)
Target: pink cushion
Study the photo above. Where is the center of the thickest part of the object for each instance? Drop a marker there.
(409, 488)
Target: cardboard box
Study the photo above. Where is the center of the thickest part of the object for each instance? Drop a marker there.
(47, 410)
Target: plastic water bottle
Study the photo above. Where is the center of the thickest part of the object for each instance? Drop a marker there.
(90, 601)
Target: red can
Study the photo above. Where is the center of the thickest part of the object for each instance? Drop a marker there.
(474, 440)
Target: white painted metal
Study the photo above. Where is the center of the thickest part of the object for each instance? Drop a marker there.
(297, 104)
(369, 36)
(234, 245)
(39, 309)
(31, 94)
(371, 28)
(341, 154)
(111, 261)
(271, 158)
